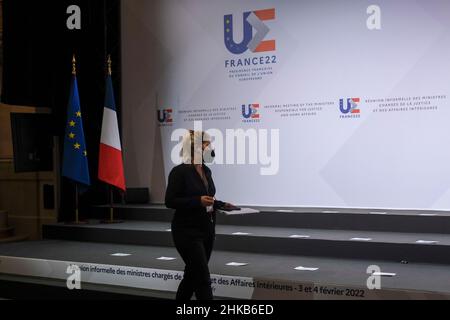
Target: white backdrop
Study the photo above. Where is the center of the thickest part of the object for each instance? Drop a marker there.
(392, 152)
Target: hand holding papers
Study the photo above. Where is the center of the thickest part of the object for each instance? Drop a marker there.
(229, 207)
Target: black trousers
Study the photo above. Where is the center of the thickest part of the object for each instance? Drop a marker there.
(195, 252)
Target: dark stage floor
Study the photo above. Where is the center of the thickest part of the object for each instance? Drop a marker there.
(334, 247)
(412, 278)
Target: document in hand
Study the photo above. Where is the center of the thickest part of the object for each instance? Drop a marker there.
(241, 211)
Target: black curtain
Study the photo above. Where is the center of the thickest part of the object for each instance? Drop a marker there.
(38, 49)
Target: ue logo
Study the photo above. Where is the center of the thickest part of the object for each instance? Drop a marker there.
(252, 112)
(252, 20)
(351, 106)
(165, 116)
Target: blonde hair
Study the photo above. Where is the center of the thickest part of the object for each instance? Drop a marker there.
(191, 150)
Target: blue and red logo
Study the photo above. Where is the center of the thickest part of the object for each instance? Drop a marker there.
(253, 42)
(165, 116)
(250, 112)
(350, 107)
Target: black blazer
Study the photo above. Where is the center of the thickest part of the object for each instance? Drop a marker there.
(184, 190)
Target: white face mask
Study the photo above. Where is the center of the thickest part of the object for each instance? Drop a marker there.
(208, 154)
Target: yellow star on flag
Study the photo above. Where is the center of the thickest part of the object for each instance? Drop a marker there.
(72, 123)
(71, 135)
(78, 114)
(85, 153)
(77, 145)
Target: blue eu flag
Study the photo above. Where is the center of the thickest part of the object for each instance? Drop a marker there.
(75, 162)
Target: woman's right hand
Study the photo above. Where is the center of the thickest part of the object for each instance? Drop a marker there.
(207, 201)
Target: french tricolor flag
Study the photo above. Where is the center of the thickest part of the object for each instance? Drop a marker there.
(110, 166)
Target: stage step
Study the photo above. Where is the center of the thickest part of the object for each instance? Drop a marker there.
(392, 246)
(6, 232)
(3, 219)
(314, 218)
(14, 239)
(410, 281)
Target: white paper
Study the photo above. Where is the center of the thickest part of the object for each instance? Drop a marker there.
(361, 239)
(169, 230)
(384, 274)
(299, 236)
(237, 212)
(241, 233)
(237, 264)
(121, 254)
(166, 258)
(427, 241)
(300, 268)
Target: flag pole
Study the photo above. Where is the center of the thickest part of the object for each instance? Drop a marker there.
(111, 195)
(77, 218)
(109, 65)
(74, 65)
(77, 210)
(111, 208)
(77, 215)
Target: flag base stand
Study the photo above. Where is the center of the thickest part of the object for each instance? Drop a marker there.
(111, 218)
(77, 219)
(111, 221)
(75, 223)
